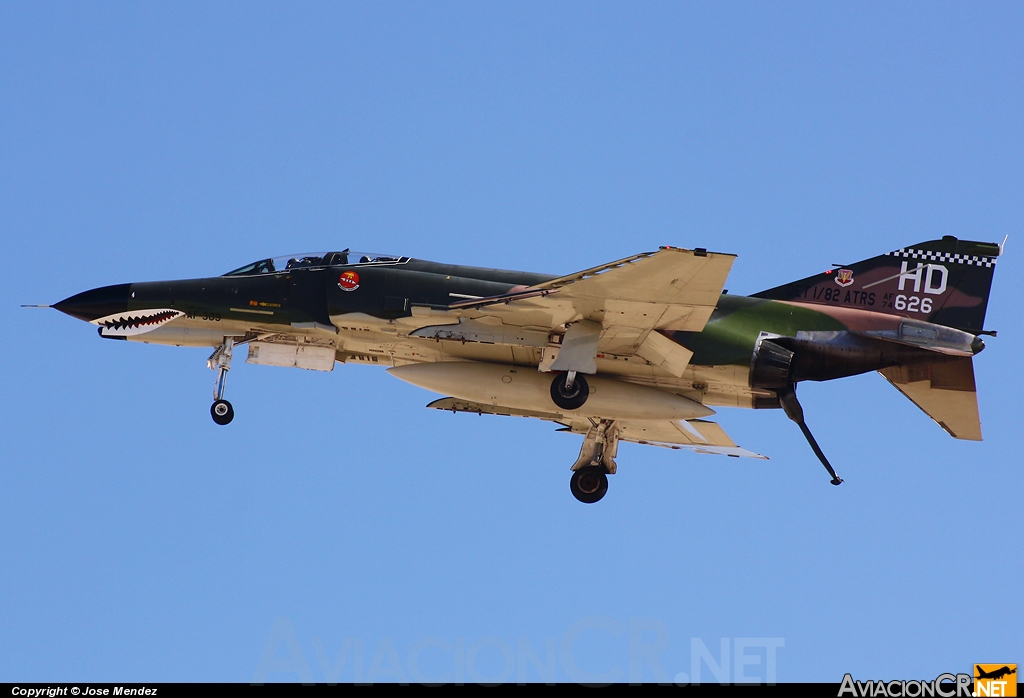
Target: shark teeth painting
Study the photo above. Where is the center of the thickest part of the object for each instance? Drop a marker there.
(133, 323)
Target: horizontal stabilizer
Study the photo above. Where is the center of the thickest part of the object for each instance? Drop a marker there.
(945, 391)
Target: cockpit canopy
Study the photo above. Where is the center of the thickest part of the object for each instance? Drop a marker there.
(312, 260)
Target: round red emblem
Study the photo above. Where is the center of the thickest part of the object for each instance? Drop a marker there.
(349, 281)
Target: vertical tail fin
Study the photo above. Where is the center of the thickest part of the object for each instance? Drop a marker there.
(945, 281)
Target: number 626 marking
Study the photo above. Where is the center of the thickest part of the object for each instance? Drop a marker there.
(913, 304)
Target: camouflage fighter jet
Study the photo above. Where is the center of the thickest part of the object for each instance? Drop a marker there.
(637, 350)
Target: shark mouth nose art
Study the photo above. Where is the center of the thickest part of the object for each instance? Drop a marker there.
(129, 324)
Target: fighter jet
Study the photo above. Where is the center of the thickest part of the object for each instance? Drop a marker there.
(641, 349)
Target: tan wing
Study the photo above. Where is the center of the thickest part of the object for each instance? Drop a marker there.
(672, 275)
(945, 391)
(626, 303)
(671, 289)
(696, 435)
(454, 404)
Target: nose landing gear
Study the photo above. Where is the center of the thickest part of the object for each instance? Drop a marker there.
(220, 361)
(222, 412)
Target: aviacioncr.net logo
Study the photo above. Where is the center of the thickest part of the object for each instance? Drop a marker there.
(943, 686)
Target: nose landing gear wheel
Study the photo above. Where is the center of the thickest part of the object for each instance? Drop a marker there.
(589, 484)
(569, 397)
(222, 412)
(220, 361)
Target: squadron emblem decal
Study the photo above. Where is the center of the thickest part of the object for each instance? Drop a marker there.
(844, 277)
(349, 281)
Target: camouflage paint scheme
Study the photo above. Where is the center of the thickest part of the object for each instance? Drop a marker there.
(914, 315)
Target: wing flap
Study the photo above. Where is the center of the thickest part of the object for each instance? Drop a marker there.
(945, 391)
(665, 354)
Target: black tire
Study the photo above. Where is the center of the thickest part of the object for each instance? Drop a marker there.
(569, 398)
(589, 484)
(222, 412)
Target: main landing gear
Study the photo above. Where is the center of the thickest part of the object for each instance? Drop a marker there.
(596, 462)
(589, 484)
(220, 361)
(569, 391)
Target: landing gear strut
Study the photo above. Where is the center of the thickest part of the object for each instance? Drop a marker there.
(220, 361)
(569, 390)
(787, 396)
(596, 462)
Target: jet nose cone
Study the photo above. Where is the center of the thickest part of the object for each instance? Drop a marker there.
(97, 303)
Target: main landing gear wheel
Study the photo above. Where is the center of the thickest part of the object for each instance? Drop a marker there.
(589, 484)
(222, 412)
(569, 391)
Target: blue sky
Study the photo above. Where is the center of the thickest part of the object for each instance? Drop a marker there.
(139, 541)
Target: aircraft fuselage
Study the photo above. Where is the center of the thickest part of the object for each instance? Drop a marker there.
(371, 323)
